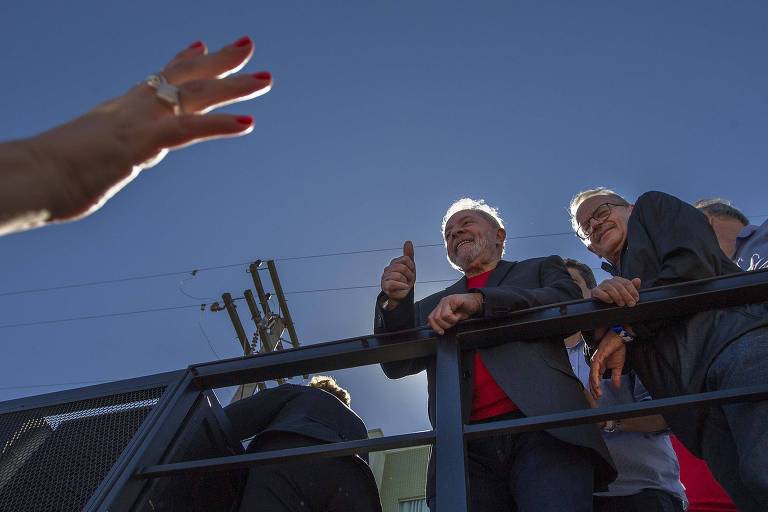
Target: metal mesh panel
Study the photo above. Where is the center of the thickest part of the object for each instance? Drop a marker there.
(53, 458)
(206, 434)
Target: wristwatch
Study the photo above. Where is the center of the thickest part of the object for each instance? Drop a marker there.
(611, 425)
(623, 334)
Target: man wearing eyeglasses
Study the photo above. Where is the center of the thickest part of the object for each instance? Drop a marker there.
(662, 240)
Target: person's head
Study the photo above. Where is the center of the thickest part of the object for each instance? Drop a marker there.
(719, 208)
(474, 235)
(726, 221)
(582, 275)
(599, 216)
(329, 384)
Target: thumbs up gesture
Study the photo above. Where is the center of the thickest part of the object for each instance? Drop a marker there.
(399, 276)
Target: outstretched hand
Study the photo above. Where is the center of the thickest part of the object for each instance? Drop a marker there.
(73, 169)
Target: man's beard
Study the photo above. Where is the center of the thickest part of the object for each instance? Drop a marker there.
(470, 254)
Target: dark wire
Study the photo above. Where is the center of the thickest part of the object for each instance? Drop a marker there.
(244, 263)
(93, 317)
(233, 265)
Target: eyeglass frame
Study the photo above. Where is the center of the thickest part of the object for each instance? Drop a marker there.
(579, 228)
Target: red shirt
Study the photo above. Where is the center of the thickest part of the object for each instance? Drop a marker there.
(703, 491)
(488, 399)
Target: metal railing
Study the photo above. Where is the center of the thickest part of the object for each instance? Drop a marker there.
(145, 459)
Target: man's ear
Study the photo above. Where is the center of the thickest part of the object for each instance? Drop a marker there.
(501, 235)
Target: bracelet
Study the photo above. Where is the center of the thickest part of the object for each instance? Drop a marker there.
(623, 334)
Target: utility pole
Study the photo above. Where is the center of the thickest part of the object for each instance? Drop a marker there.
(269, 325)
(244, 390)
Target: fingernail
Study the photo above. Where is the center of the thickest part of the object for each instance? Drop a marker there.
(263, 75)
(196, 44)
(246, 120)
(243, 41)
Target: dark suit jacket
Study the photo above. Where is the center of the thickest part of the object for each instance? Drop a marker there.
(669, 242)
(302, 410)
(535, 374)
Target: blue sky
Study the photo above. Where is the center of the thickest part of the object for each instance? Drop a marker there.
(380, 116)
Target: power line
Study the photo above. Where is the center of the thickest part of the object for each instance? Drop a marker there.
(240, 264)
(189, 306)
(202, 306)
(361, 287)
(93, 317)
(244, 263)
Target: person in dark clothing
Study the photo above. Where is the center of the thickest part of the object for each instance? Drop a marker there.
(291, 416)
(662, 240)
(553, 470)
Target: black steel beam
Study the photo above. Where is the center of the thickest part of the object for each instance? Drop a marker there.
(341, 449)
(659, 406)
(148, 446)
(86, 393)
(450, 447)
(655, 304)
(649, 407)
(321, 357)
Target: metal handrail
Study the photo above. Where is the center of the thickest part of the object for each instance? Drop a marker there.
(124, 484)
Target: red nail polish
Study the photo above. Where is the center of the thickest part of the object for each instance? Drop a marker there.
(263, 75)
(246, 120)
(243, 41)
(196, 44)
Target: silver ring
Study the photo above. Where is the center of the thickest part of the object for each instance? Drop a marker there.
(165, 91)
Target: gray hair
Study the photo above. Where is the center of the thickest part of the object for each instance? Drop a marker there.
(490, 213)
(722, 208)
(589, 193)
(584, 271)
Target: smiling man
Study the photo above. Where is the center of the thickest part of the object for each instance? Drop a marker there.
(554, 470)
(661, 240)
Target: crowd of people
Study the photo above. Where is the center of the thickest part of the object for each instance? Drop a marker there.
(625, 465)
(657, 240)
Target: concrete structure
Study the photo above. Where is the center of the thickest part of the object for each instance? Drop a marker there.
(401, 476)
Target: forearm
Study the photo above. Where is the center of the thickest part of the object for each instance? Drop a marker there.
(26, 199)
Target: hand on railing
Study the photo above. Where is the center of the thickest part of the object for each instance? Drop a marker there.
(610, 355)
(399, 277)
(453, 309)
(619, 291)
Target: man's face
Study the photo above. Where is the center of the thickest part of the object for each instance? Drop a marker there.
(606, 238)
(576, 275)
(471, 237)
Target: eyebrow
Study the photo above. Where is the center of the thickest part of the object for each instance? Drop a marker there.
(460, 220)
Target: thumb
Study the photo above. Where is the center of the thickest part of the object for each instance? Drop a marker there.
(408, 249)
(636, 282)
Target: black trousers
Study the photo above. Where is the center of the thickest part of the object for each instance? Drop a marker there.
(526, 472)
(320, 485)
(647, 500)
